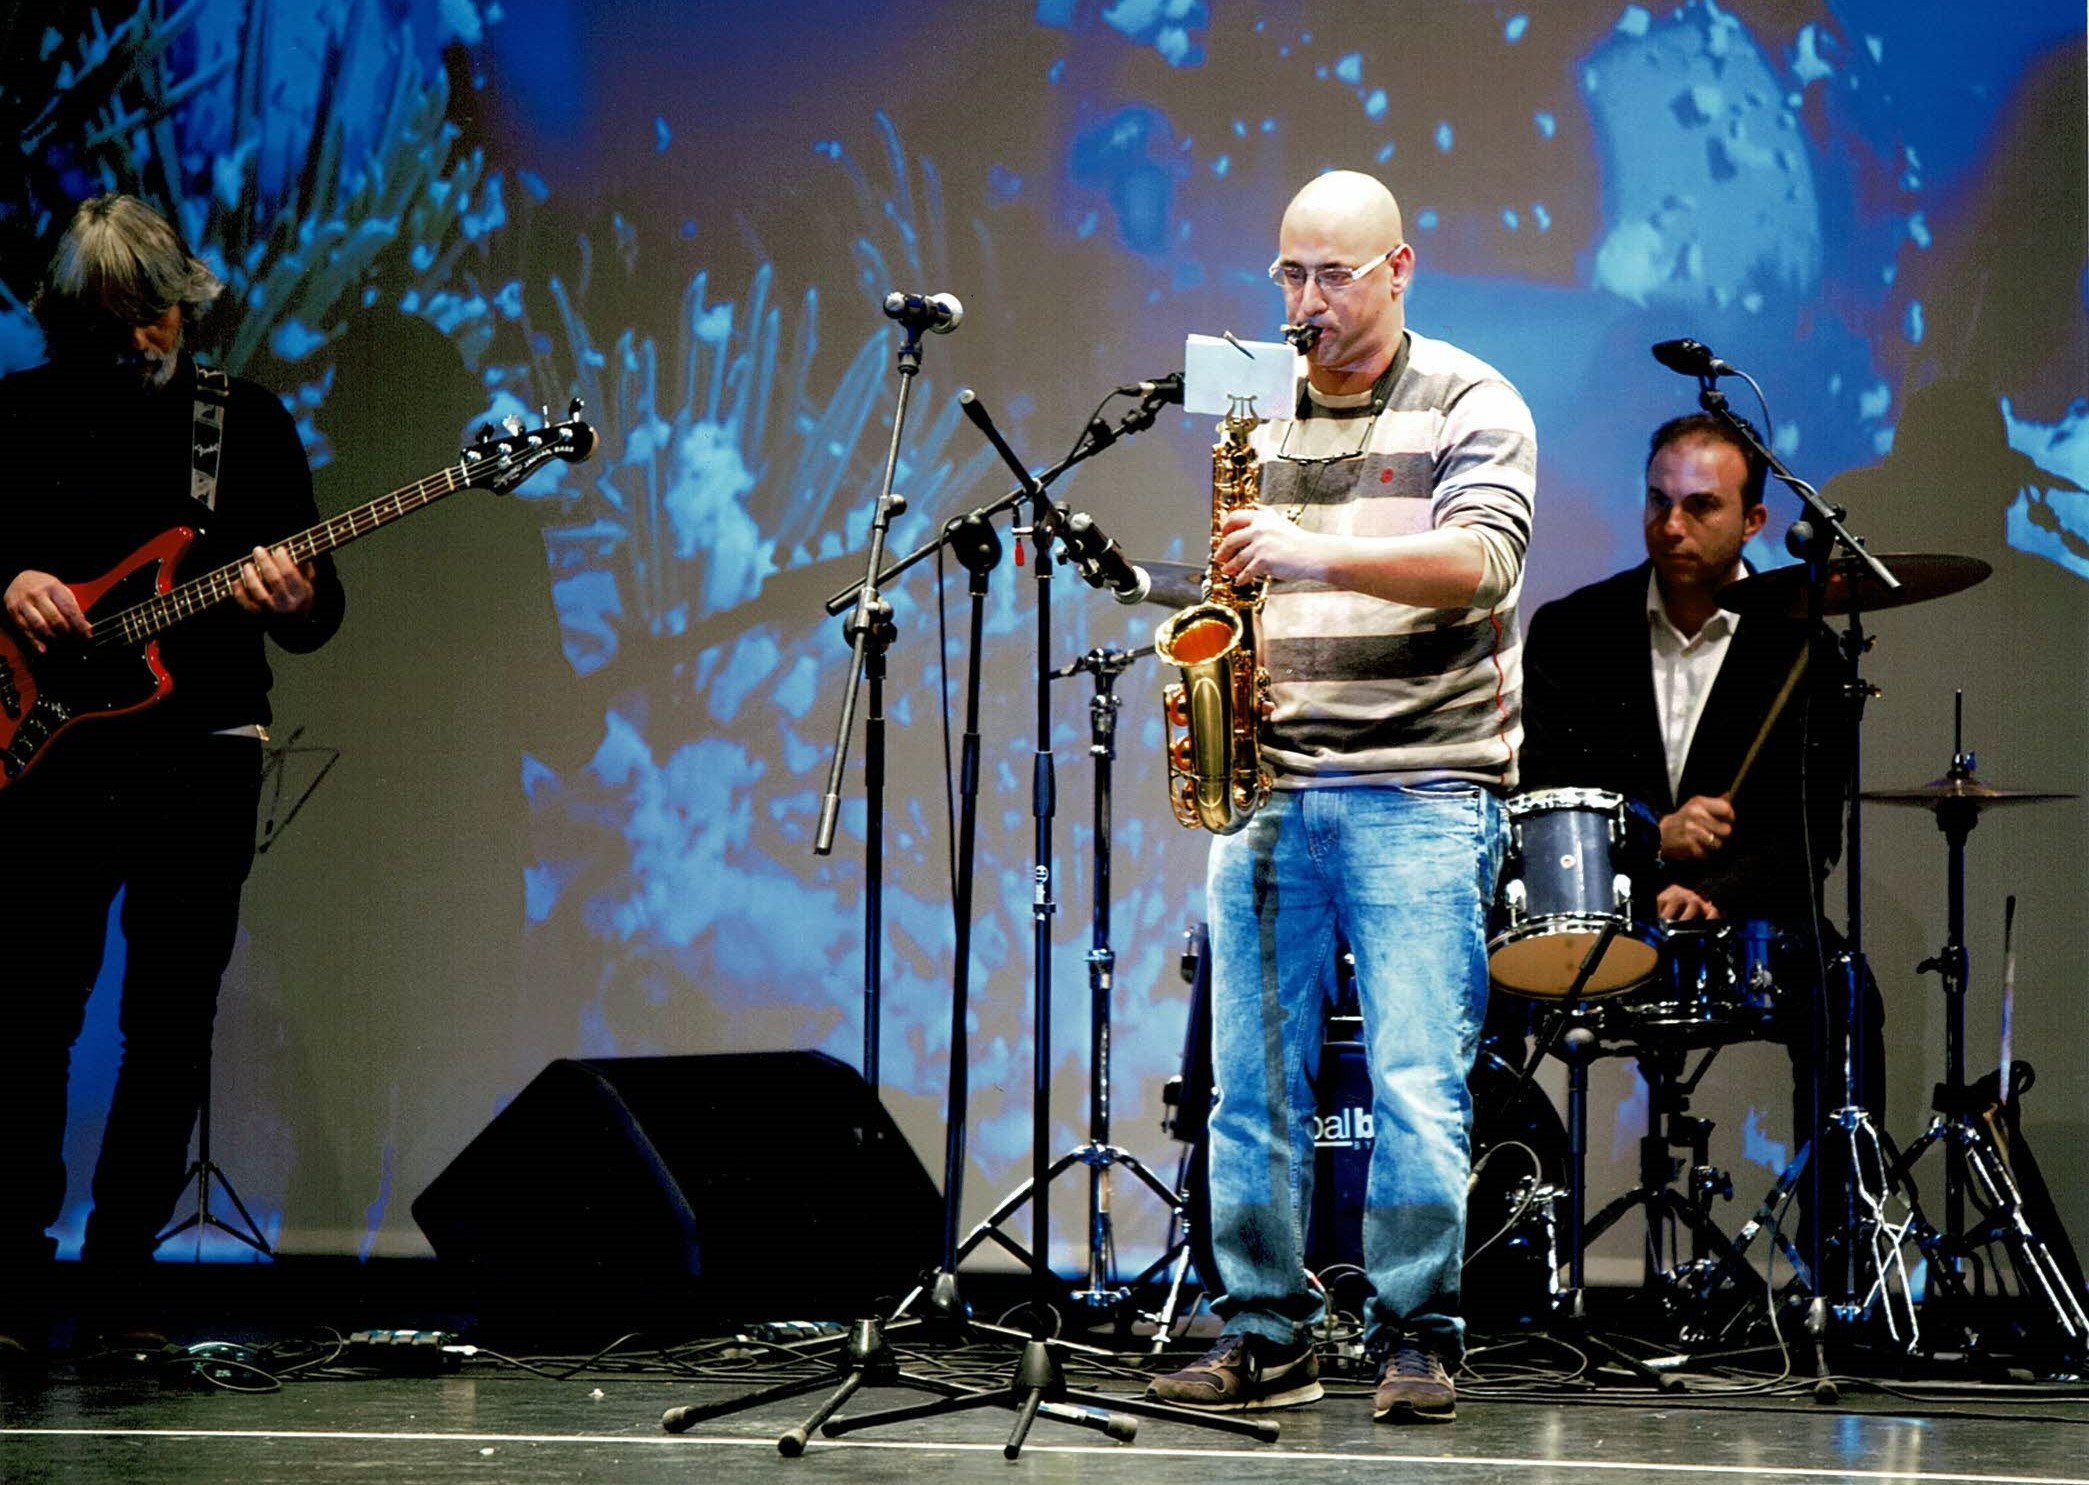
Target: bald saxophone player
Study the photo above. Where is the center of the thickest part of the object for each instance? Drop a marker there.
(1395, 512)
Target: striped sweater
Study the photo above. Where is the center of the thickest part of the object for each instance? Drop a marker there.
(1371, 692)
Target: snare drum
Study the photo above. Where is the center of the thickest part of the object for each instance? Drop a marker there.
(1578, 859)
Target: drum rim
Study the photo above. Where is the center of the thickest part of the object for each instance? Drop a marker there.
(1570, 797)
(1577, 797)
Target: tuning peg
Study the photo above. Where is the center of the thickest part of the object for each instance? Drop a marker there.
(512, 423)
(544, 413)
(574, 408)
(485, 433)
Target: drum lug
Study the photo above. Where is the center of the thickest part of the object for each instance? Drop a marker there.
(1621, 889)
(1514, 898)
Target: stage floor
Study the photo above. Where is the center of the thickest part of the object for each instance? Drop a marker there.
(509, 1426)
(1533, 1409)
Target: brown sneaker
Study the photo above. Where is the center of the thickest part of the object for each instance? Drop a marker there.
(1244, 1374)
(1413, 1387)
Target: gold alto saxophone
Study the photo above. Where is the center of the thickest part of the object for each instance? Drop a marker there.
(1216, 778)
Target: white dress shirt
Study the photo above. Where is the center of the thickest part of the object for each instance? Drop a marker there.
(1684, 669)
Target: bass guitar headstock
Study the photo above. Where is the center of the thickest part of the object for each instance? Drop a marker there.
(502, 458)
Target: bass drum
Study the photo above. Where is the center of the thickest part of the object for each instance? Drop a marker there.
(1519, 1149)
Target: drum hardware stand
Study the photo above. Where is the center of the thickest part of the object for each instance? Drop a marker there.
(1671, 1127)
(203, 1171)
(1576, 1046)
(1038, 1384)
(1972, 1158)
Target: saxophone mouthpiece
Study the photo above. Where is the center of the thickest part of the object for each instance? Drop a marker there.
(1303, 337)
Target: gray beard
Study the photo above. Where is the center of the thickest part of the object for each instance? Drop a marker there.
(155, 371)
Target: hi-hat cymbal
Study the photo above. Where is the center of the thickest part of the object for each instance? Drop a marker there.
(1922, 575)
(1175, 584)
(1958, 789)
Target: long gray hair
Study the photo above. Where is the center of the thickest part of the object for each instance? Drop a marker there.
(119, 264)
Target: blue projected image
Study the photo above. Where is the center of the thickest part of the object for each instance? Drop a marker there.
(1854, 199)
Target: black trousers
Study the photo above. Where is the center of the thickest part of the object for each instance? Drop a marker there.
(169, 822)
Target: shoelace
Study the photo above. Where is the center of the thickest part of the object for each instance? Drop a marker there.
(1413, 1361)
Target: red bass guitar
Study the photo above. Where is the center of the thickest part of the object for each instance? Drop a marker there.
(118, 669)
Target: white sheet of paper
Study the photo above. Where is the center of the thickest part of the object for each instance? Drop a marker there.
(1214, 372)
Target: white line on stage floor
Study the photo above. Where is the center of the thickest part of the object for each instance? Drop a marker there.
(1272, 1455)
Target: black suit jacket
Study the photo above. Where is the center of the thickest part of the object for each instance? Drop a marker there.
(1589, 722)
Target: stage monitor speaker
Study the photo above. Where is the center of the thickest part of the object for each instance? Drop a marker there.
(755, 1185)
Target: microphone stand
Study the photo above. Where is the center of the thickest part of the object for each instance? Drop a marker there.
(871, 632)
(1098, 1154)
(1039, 1381)
(867, 1359)
(972, 537)
(1870, 1182)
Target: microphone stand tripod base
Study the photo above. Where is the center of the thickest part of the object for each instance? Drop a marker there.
(1039, 1388)
(868, 1362)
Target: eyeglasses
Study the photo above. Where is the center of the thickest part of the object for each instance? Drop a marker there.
(1284, 445)
(1332, 277)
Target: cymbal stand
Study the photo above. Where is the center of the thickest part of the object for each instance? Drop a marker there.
(1879, 1215)
(1973, 1161)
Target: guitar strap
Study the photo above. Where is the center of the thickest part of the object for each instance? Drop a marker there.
(213, 395)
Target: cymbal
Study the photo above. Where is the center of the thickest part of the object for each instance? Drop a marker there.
(1958, 789)
(1781, 591)
(1175, 584)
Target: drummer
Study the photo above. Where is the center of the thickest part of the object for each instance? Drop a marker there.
(1643, 685)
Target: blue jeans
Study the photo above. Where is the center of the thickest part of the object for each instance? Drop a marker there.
(1406, 877)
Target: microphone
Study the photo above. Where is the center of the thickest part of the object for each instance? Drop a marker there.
(918, 312)
(1102, 562)
(1691, 358)
(1162, 389)
(1303, 337)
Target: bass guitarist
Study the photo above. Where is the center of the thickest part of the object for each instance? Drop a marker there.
(116, 440)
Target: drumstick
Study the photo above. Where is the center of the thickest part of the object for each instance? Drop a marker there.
(1762, 733)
